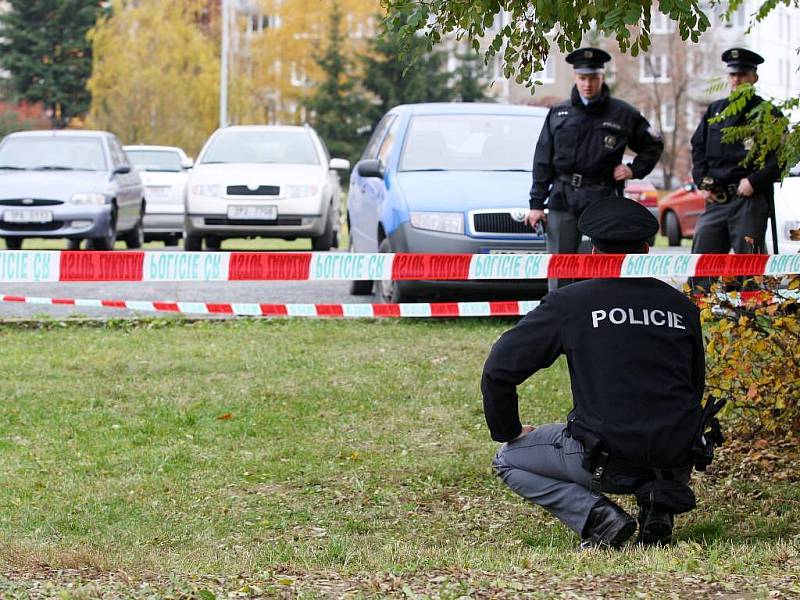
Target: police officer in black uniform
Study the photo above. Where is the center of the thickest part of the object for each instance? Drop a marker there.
(738, 197)
(635, 354)
(579, 153)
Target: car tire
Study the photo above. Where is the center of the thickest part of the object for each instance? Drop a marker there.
(388, 291)
(107, 241)
(192, 243)
(672, 228)
(135, 237)
(74, 244)
(360, 287)
(171, 241)
(14, 243)
(213, 242)
(324, 242)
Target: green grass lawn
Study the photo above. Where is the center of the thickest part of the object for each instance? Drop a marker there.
(315, 459)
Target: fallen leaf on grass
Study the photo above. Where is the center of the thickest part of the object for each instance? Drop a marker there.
(225, 417)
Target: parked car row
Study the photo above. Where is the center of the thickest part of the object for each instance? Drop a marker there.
(256, 181)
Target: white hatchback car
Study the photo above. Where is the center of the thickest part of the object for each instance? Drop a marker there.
(264, 181)
(164, 171)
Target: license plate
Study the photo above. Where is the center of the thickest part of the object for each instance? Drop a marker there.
(28, 216)
(262, 213)
(157, 194)
(511, 251)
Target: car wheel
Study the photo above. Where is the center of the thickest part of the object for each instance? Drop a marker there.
(213, 242)
(14, 243)
(324, 242)
(107, 241)
(388, 291)
(135, 237)
(192, 243)
(74, 244)
(360, 287)
(672, 228)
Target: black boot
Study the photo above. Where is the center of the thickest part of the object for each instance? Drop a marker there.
(608, 526)
(655, 527)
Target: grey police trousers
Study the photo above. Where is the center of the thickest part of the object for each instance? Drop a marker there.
(544, 467)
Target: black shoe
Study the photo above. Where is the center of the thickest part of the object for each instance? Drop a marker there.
(608, 526)
(655, 527)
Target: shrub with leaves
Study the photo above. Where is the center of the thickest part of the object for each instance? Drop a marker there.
(753, 356)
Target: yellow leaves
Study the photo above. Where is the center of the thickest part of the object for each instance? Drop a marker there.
(155, 74)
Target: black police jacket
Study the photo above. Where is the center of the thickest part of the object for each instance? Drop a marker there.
(723, 162)
(589, 140)
(635, 355)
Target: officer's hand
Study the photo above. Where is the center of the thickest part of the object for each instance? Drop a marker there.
(526, 429)
(534, 216)
(745, 188)
(622, 172)
(706, 194)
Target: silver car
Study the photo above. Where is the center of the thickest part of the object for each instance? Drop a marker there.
(264, 181)
(164, 171)
(77, 185)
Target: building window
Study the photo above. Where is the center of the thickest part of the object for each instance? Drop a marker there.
(654, 68)
(548, 75)
(661, 23)
(667, 117)
(297, 75)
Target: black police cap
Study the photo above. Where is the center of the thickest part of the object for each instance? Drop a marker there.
(741, 60)
(616, 219)
(588, 60)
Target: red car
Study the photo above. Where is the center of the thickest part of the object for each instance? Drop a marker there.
(678, 213)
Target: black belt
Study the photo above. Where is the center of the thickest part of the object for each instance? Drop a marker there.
(577, 180)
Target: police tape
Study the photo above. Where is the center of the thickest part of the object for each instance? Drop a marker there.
(43, 265)
(512, 308)
(354, 311)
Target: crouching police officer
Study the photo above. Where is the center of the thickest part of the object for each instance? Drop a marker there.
(738, 197)
(635, 354)
(578, 156)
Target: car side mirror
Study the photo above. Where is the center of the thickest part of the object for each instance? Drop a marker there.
(121, 170)
(340, 164)
(370, 167)
(187, 164)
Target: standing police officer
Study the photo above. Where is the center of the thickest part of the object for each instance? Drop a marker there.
(579, 152)
(738, 197)
(635, 354)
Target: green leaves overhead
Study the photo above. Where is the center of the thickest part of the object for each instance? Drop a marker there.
(524, 39)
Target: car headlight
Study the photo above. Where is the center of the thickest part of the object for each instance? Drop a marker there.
(299, 191)
(209, 191)
(447, 222)
(91, 199)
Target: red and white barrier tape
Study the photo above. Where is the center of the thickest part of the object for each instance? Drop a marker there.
(43, 265)
(415, 309)
(354, 311)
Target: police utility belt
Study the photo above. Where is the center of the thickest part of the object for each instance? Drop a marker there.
(722, 193)
(578, 180)
(664, 489)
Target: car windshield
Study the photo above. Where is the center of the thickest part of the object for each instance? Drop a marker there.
(50, 153)
(293, 147)
(155, 160)
(471, 143)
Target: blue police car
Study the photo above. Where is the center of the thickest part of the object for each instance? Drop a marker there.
(446, 178)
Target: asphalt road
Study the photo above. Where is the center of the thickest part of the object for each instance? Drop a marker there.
(245, 292)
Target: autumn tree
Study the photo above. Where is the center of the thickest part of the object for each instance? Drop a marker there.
(336, 108)
(45, 50)
(155, 76)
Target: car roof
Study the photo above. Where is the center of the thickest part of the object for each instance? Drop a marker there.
(152, 147)
(265, 128)
(62, 133)
(470, 108)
